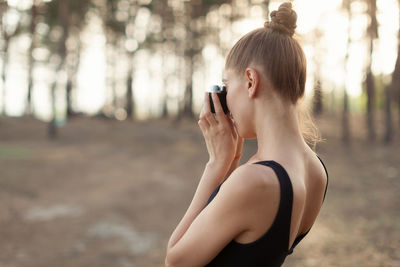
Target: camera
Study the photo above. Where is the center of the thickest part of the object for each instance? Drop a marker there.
(221, 93)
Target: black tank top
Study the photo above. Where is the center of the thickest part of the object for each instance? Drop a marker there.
(271, 248)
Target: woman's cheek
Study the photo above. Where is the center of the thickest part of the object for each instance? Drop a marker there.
(230, 101)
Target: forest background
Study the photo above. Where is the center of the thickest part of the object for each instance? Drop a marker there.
(100, 153)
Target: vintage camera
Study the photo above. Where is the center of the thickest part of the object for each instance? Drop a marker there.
(221, 92)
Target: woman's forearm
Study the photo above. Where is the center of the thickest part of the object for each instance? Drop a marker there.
(211, 178)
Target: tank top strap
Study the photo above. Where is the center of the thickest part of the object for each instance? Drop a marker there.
(282, 221)
(327, 177)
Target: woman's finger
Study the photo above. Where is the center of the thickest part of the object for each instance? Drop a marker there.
(207, 103)
(221, 116)
(211, 119)
(206, 106)
(217, 104)
(206, 112)
(203, 124)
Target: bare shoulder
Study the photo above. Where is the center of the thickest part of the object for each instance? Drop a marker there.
(319, 174)
(258, 189)
(254, 182)
(316, 183)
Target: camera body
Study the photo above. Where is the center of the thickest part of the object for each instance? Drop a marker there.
(221, 92)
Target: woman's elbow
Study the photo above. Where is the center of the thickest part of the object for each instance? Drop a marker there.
(176, 258)
(169, 262)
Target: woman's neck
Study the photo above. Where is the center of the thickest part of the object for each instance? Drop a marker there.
(277, 129)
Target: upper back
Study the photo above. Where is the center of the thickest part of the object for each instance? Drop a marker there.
(308, 181)
(275, 230)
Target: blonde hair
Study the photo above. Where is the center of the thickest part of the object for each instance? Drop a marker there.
(283, 60)
(309, 130)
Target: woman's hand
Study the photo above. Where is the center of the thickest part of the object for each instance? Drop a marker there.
(219, 133)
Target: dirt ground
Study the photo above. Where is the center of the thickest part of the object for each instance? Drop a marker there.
(110, 193)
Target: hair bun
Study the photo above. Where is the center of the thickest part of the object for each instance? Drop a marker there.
(283, 20)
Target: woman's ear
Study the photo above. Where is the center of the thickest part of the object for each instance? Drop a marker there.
(252, 79)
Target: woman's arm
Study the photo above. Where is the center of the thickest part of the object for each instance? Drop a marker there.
(222, 142)
(221, 220)
(210, 179)
(204, 231)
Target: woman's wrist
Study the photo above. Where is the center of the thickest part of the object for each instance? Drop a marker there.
(215, 164)
(217, 167)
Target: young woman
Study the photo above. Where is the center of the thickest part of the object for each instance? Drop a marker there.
(255, 214)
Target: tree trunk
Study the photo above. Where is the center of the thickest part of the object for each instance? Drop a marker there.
(72, 79)
(390, 92)
(188, 55)
(3, 75)
(68, 96)
(129, 93)
(388, 115)
(345, 115)
(317, 101)
(34, 13)
(3, 8)
(265, 6)
(369, 82)
(188, 97)
(179, 58)
(370, 87)
(62, 51)
(113, 79)
(396, 73)
(345, 120)
(165, 43)
(164, 112)
(52, 124)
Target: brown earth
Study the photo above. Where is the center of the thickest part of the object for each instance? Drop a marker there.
(110, 193)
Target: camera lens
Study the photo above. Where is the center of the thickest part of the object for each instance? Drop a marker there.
(215, 88)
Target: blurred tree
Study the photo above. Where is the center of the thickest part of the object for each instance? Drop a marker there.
(72, 68)
(372, 34)
(389, 93)
(114, 30)
(388, 113)
(119, 17)
(32, 31)
(8, 30)
(346, 5)
(193, 10)
(64, 17)
(182, 27)
(265, 6)
(164, 38)
(196, 31)
(317, 97)
(396, 74)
